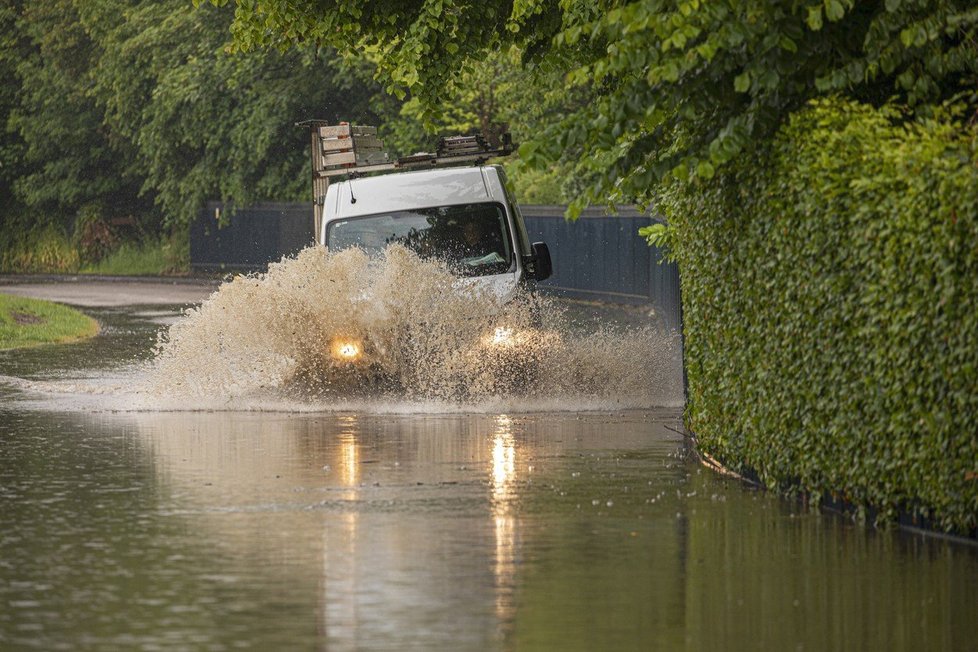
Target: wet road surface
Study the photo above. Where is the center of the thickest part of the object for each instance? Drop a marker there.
(110, 292)
(358, 530)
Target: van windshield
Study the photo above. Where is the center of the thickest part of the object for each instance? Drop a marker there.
(472, 238)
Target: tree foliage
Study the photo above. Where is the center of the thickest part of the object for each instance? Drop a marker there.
(11, 50)
(65, 158)
(681, 86)
(497, 95)
(134, 109)
(208, 125)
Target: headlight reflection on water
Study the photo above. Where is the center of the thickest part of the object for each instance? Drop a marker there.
(503, 458)
(503, 479)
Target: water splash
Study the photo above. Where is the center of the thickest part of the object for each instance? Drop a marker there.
(422, 337)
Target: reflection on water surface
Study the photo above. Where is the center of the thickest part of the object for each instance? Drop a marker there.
(559, 531)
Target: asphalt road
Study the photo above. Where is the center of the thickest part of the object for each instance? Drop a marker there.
(102, 292)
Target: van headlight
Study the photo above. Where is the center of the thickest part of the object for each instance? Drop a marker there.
(346, 349)
(502, 336)
(524, 340)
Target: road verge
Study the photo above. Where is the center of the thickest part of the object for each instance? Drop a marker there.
(31, 322)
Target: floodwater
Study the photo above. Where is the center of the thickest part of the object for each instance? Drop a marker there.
(372, 529)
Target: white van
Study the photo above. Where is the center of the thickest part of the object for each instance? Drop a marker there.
(462, 215)
(447, 204)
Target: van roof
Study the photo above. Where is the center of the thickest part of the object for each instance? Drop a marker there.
(405, 190)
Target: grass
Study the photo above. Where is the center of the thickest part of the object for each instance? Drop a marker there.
(148, 259)
(30, 322)
(51, 252)
(48, 251)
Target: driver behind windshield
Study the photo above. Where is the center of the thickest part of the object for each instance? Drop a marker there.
(480, 243)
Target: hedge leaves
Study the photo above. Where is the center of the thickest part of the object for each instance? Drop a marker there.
(831, 304)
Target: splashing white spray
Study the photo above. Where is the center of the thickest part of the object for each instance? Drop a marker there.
(330, 328)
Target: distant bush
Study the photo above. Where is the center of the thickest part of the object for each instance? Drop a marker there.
(830, 288)
(154, 257)
(533, 186)
(131, 259)
(150, 258)
(94, 237)
(41, 250)
(48, 250)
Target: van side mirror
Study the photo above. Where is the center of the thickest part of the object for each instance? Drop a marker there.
(540, 265)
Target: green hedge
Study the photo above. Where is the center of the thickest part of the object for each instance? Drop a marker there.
(830, 288)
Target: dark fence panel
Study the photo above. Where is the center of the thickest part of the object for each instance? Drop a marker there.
(598, 257)
(602, 257)
(252, 238)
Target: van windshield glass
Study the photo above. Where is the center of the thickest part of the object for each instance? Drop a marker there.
(472, 238)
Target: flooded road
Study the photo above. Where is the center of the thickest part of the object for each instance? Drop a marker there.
(496, 530)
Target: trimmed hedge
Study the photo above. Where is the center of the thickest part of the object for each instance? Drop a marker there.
(830, 289)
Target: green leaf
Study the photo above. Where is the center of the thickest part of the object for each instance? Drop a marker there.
(681, 172)
(705, 170)
(659, 235)
(769, 79)
(814, 19)
(742, 82)
(834, 10)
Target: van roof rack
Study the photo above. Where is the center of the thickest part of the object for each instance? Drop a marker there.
(346, 149)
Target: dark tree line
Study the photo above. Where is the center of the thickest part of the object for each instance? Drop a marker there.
(124, 116)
